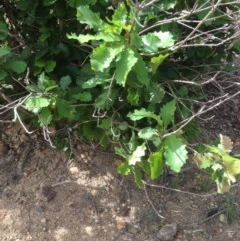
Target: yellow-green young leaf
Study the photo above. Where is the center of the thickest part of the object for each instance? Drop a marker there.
(87, 16)
(231, 164)
(126, 61)
(156, 164)
(103, 56)
(167, 113)
(156, 61)
(137, 155)
(124, 169)
(175, 152)
(17, 66)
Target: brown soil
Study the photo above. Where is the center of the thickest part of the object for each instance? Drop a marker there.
(47, 196)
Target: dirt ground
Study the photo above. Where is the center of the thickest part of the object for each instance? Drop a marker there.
(47, 196)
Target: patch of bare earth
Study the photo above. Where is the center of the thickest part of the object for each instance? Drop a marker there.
(46, 196)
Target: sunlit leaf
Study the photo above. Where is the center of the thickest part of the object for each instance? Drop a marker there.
(156, 164)
(126, 61)
(36, 103)
(175, 152)
(148, 133)
(143, 113)
(103, 56)
(124, 169)
(137, 155)
(167, 113)
(87, 16)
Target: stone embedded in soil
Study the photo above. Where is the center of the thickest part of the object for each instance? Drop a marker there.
(133, 229)
(167, 232)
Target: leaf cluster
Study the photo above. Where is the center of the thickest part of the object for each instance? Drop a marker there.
(111, 67)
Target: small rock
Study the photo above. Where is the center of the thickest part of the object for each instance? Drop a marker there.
(133, 229)
(167, 232)
(121, 224)
(223, 218)
(43, 220)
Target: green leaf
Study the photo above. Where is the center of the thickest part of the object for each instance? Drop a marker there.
(204, 161)
(45, 116)
(148, 133)
(143, 113)
(156, 94)
(156, 61)
(151, 42)
(65, 81)
(167, 113)
(64, 110)
(106, 123)
(46, 84)
(36, 103)
(106, 37)
(103, 56)
(4, 31)
(138, 177)
(4, 50)
(133, 96)
(165, 5)
(156, 164)
(165, 39)
(126, 61)
(3, 74)
(124, 169)
(141, 70)
(175, 152)
(48, 2)
(50, 66)
(87, 16)
(137, 155)
(17, 66)
(84, 96)
(207, 7)
(120, 15)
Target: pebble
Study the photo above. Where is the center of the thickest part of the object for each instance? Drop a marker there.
(223, 218)
(133, 229)
(167, 232)
(121, 224)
